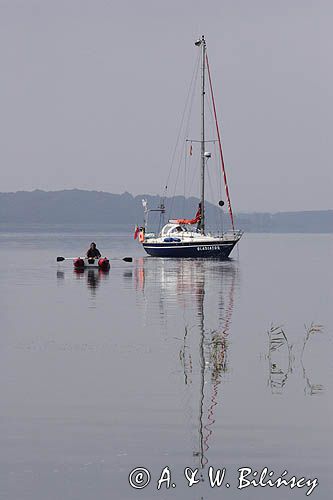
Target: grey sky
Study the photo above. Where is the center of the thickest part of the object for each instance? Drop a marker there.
(91, 94)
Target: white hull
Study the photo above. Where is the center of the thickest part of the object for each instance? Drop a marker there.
(179, 241)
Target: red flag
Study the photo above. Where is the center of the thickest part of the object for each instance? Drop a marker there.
(136, 232)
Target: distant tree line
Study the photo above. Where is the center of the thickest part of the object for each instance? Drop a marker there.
(91, 207)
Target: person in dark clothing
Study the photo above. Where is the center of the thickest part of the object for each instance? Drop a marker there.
(93, 252)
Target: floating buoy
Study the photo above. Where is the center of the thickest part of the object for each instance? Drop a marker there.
(78, 263)
(104, 264)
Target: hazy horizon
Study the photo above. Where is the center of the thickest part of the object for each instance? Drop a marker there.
(153, 200)
(93, 92)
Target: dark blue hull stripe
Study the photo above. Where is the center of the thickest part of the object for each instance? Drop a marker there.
(219, 250)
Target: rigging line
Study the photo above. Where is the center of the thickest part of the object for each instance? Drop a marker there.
(185, 168)
(219, 184)
(160, 223)
(194, 92)
(206, 142)
(194, 176)
(188, 121)
(216, 178)
(210, 173)
(219, 175)
(181, 153)
(187, 127)
(216, 173)
(174, 191)
(212, 193)
(182, 120)
(209, 105)
(220, 147)
(189, 107)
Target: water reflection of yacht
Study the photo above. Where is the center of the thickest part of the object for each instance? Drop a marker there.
(203, 292)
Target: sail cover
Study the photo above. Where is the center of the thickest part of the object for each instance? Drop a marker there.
(189, 221)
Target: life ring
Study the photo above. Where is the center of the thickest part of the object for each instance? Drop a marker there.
(141, 236)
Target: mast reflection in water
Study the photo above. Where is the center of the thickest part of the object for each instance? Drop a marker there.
(196, 301)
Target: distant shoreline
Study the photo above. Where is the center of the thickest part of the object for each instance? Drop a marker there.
(94, 208)
(112, 228)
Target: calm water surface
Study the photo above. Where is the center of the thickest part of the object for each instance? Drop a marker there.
(163, 362)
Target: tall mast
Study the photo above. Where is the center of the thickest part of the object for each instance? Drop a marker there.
(202, 44)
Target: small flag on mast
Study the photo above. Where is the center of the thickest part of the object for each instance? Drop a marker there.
(191, 149)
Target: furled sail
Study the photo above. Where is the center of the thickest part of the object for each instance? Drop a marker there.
(196, 219)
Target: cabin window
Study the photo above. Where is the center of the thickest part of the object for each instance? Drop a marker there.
(166, 228)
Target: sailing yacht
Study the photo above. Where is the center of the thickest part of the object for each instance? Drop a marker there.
(188, 237)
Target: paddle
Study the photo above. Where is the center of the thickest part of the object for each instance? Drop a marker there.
(126, 259)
